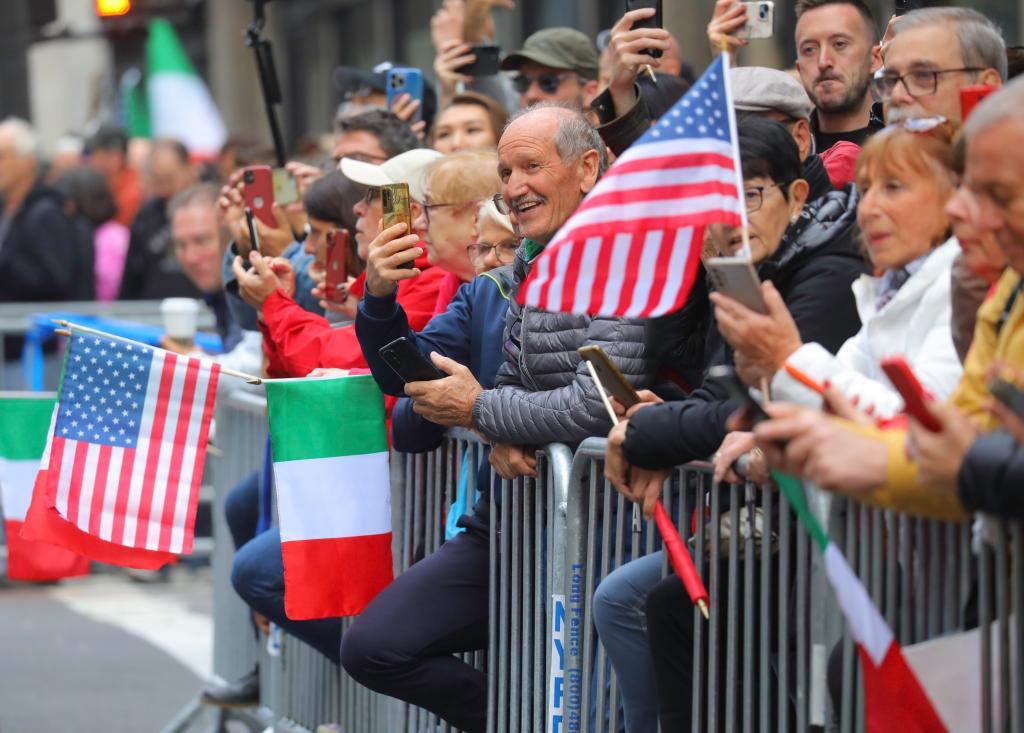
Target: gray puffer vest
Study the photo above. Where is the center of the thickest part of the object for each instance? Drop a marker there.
(543, 392)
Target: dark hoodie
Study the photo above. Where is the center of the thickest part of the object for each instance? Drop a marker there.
(42, 257)
(813, 268)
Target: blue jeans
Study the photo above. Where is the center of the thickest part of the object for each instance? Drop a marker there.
(620, 617)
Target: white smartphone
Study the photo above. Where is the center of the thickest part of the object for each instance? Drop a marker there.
(760, 20)
(736, 277)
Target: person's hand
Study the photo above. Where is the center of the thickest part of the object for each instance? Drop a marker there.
(169, 344)
(835, 403)
(447, 401)
(346, 302)
(453, 55)
(627, 45)
(328, 372)
(729, 16)
(765, 340)
(825, 450)
(639, 485)
(404, 107)
(735, 445)
(512, 461)
(446, 25)
(388, 251)
(256, 284)
(274, 240)
(305, 175)
(750, 373)
(285, 274)
(647, 398)
(939, 455)
(1010, 420)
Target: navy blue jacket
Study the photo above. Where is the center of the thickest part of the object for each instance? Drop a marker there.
(470, 332)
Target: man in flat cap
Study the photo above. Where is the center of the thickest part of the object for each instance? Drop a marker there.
(555, 65)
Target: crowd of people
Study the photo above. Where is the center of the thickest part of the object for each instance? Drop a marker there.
(882, 220)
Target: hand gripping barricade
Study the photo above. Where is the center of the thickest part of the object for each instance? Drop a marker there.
(774, 626)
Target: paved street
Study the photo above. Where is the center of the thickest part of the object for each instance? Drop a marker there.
(102, 654)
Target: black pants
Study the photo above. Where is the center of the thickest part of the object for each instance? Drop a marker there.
(404, 643)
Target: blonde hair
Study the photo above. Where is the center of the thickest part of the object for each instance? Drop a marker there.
(488, 212)
(468, 175)
(930, 154)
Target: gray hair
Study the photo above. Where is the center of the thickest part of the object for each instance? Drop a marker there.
(575, 135)
(23, 136)
(1004, 104)
(981, 42)
(201, 194)
(488, 212)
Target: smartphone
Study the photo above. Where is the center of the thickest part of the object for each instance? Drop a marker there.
(285, 190)
(1009, 394)
(654, 21)
(760, 20)
(612, 379)
(910, 389)
(487, 63)
(736, 277)
(738, 391)
(971, 96)
(409, 362)
(394, 200)
(335, 262)
(254, 233)
(258, 192)
(406, 81)
(905, 6)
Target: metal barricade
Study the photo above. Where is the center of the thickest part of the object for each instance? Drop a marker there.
(762, 662)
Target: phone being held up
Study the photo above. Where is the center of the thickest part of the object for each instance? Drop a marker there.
(915, 398)
(654, 21)
(334, 260)
(406, 81)
(613, 380)
(395, 204)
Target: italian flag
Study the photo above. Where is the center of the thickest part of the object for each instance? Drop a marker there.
(894, 699)
(179, 103)
(24, 425)
(330, 452)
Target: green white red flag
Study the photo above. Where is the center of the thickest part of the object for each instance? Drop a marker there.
(894, 699)
(24, 423)
(330, 453)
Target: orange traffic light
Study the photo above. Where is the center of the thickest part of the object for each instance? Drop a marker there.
(108, 8)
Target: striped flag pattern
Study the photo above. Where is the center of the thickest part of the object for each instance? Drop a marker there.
(632, 247)
(128, 444)
(894, 698)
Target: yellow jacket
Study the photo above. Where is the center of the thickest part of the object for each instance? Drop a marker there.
(902, 491)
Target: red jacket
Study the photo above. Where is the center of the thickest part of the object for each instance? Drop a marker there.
(296, 341)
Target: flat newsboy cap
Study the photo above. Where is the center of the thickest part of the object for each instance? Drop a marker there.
(760, 89)
(559, 48)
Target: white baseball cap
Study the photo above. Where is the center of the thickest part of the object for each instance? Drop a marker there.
(407, 167)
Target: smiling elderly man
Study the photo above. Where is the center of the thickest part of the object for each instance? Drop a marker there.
(403, 644)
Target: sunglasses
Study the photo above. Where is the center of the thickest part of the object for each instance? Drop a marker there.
(548, 82)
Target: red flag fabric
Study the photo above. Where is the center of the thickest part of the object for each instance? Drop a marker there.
(893, 697)
(632, 247)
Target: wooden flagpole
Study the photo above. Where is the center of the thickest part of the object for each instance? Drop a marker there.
(67, 328)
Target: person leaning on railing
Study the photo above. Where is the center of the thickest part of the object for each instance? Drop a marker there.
(878, 467)
(905, 177)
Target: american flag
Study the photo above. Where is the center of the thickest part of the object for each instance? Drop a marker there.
(631, 249)
(128, 443)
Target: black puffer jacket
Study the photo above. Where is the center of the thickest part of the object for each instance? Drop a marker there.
(813, 269)
(543, 392)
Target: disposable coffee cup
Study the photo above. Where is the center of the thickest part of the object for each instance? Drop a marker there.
(180, 316)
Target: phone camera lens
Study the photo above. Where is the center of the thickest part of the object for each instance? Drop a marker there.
(764, 11)
(248, 177)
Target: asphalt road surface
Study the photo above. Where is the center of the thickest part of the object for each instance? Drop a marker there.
(103, 654)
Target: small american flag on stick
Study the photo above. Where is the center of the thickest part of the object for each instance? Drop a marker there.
(128, 442)
(631, 249)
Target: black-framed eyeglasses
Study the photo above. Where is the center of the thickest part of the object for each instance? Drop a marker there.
(753, 196)
(500, 204)
(548, 82)
(920, 83)
(505, 252)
